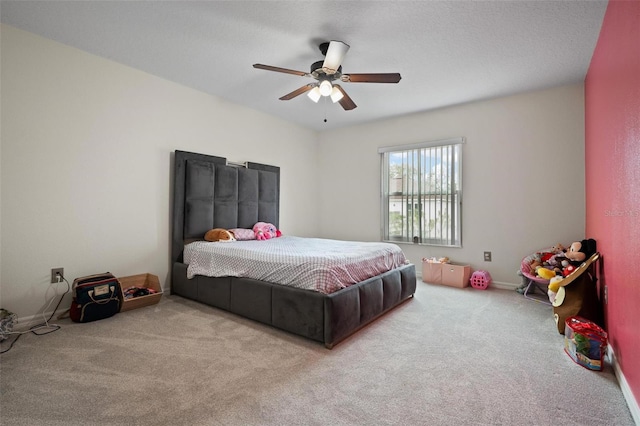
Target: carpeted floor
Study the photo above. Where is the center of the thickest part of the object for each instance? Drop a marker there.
(447, 357)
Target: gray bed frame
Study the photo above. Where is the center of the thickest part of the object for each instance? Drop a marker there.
(208, 194)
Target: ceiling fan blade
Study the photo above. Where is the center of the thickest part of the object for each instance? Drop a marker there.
(346, 102)
(278, 69)
(297, 92)
(371, 78)
(335, 55)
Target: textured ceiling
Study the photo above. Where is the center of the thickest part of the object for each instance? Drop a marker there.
(448, 52)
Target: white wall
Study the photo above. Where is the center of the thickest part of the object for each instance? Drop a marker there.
(523, 176)
(86, 149)
(85, 165)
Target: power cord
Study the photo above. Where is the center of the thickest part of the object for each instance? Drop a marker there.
(45, 325)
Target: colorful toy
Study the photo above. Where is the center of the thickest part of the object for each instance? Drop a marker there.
(568, 270)
(265, 231)
(585, 342)
(545, 273)
(577, 295)
(554, 286)
(219, 234)
(581, 250)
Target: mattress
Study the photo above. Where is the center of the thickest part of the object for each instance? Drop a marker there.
(317, 264)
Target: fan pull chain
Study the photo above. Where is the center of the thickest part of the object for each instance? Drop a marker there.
(325, 108)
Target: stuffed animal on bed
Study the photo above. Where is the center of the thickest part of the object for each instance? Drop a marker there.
(219, 234)
(265, 231)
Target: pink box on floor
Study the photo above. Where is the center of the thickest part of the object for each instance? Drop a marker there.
(432, 272)
(455, 275)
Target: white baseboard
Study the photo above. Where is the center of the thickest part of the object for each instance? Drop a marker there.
(504, 286)
(24, 323)
(634, 408)
(494, 284)
(624, 386)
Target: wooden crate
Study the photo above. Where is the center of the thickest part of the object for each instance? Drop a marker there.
(141, 280)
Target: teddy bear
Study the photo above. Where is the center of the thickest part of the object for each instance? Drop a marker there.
(265, 231)
(553, 251)
(219, 234)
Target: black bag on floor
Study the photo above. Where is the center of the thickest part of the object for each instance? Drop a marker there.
(95, 297)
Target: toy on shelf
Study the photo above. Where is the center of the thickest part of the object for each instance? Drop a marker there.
(542, 267)
(577, 294)
(579, 251)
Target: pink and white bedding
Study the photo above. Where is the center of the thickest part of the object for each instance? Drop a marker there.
(317, 264)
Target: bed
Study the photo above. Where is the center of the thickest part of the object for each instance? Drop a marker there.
(210, 193)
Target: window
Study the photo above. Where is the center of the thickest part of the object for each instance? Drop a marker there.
(422, 193)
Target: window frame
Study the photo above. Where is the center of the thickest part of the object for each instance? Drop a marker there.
(385, 194)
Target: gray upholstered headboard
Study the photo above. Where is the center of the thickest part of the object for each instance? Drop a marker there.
(209, 194)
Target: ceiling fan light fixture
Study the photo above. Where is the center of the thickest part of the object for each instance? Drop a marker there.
(314, 94)
(328, 76)
(336, 95)
(334, 56)
(325, 88)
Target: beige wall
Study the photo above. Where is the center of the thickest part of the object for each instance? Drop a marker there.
(86, 151)
(523, 176)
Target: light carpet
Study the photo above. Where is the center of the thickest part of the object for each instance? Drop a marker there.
(446, 357)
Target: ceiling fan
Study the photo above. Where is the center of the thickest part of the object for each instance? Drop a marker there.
(327, 72)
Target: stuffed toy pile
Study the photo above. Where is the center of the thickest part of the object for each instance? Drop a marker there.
(577, 253)
(260, 231)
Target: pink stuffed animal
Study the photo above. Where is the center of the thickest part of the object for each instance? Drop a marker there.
(265, 231)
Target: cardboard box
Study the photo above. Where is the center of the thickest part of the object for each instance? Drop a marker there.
(455, 275)
(142, 280)
(432, 272)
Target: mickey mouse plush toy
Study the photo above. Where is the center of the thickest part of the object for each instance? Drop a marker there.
(579, 251)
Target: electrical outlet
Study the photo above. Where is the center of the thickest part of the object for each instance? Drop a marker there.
(54, 275)
(605, 294)
(487, 256)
